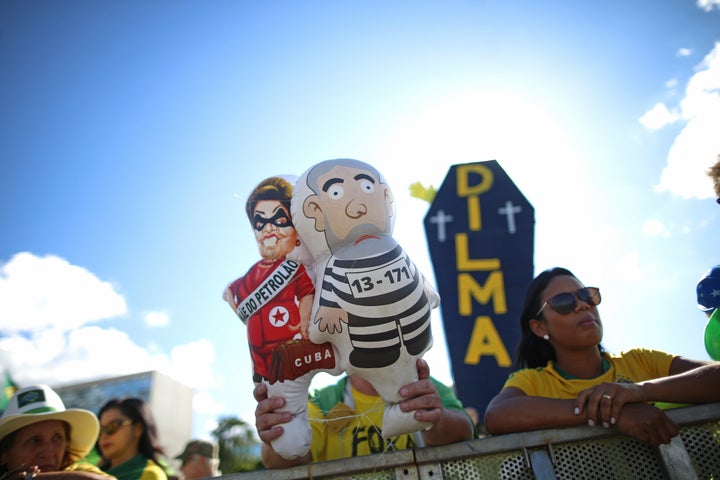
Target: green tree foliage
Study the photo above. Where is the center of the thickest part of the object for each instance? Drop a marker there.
(239, 449)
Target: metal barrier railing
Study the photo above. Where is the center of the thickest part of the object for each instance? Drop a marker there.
(575, 453)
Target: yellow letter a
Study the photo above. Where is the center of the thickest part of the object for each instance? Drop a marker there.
(485, 340)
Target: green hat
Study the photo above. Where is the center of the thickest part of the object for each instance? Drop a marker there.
(199, 447)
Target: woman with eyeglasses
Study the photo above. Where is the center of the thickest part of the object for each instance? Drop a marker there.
(564, 377)
(128, 441)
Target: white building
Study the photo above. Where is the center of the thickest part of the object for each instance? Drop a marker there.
(170, 401)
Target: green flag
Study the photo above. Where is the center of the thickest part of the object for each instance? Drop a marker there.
(8, 389)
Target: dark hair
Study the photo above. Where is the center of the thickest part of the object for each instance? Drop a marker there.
(273, 188)
(6, 444)
(533, 351)
(714, 173)
(138, 411)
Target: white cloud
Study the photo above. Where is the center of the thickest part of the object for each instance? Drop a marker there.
(192, 363)
(655, 228)
(696, 147)
(701, 95)
(628, 267)
(209, 426)
(157, 319)
(684, 52)
(708, 5)
(658, 117)
(203, 402)
(56, 357)
(49, 292)
(44, 316)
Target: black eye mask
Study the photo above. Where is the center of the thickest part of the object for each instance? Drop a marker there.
(280, 220)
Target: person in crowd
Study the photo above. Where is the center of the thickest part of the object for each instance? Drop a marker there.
(199, 460)
(346, 419)
(564, 376)
(39, 437)
(714, 173)
(128, 440)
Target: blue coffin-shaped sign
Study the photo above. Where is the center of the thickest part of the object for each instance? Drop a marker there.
(480, 232)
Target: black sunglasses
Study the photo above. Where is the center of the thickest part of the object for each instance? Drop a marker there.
(114, 426)
(280, 220)
(564, 303)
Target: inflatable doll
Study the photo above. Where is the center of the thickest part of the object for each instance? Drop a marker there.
(373, 305)
(274, 300)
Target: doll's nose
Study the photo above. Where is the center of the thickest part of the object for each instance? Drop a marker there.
(355, 209)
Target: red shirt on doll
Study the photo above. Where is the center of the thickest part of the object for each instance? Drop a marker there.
(279, 320)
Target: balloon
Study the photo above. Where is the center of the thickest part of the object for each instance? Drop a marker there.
(712, 335)
(274, 299)
(708, 290)
(371, 303)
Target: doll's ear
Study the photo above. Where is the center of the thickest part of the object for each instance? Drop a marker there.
(389, 201)
(311, 209)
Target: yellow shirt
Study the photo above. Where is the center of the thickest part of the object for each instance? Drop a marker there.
(85, 467)
(343, 434)
(632, 366)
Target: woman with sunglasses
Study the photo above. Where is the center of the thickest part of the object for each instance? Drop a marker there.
(563, 376)
(128, 441)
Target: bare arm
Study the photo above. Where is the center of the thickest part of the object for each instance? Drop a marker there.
(449, 425)
(305, 307)
(690, 381)
(73, 475)
(35, 472)
(513, 411)
(272, 460)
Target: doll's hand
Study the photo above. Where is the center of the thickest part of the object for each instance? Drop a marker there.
(228, 296)
(330, 320)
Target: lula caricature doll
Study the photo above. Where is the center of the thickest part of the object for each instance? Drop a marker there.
(372, 303)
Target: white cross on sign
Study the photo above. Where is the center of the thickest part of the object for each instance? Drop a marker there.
(509, 210)
(441, 219)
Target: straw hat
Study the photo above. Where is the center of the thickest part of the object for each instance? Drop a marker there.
(39, 403)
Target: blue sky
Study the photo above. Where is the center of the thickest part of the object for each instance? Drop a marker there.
(133, 131)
